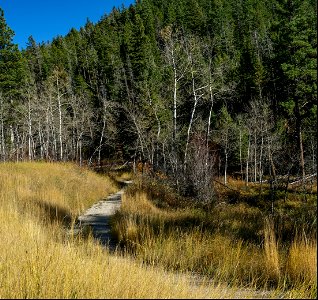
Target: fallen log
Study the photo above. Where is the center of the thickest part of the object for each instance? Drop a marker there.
(303, 179)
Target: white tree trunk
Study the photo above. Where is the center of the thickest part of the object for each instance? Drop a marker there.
(260, 171)
(226, 155)
(41, 141)
(30, 148)
(101, 141)
(175, 82)
(60, 124)
(196, 98)
(248, 158)
(240, 146)
(255, 157)
(2, 136)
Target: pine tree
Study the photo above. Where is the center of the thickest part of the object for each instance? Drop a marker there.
(11, 64)
(296, 48)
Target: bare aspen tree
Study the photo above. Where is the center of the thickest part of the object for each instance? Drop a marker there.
(197, 83)
(31, 103)
(196, 98)
(247, 170)
(107, 120)
(175, 57)
(313, 148)
(218, 68)
(41, 139)
(2, 129)
(224, 136)
(59, 96)
(262, 138)
(30, 139)
(58, 89)
(255, 154)
(51, 144)
(242, 135)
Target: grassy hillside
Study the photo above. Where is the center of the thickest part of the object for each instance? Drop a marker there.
(39, 260)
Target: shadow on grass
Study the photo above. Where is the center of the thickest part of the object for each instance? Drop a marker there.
(54, 213)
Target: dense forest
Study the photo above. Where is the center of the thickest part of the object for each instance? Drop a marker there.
(198, 88)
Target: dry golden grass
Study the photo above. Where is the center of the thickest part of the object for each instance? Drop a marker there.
(302, 260)
(146, 230)
(38, 260)
(63, 186)
(33, 266)
(271, 252)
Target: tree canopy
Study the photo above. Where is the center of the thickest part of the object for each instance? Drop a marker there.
(145, 82)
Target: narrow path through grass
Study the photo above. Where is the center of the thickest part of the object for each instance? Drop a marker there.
(96, 219)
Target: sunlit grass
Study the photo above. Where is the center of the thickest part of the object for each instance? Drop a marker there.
(39, 260)
(302, 260)
(236, 244)
(34, 266)
(64, 186)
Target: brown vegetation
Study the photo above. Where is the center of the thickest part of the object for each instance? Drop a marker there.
(40, 260)
(242, 244)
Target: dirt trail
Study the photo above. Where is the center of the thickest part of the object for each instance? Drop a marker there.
(97, 218)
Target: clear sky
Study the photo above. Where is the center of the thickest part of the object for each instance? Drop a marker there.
(45, 19)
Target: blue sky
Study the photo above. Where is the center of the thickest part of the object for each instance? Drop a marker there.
(45, 19)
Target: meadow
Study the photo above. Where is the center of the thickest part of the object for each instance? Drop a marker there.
(170, 247)
(244, 240)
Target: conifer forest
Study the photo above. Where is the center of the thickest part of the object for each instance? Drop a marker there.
(196, 88)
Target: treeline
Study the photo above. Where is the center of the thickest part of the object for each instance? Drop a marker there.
(193, 86)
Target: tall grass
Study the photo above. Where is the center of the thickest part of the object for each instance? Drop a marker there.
(33, 266)
(38, 260)
(272, 259)
(65, 187)
(302, 260)
(215, 244)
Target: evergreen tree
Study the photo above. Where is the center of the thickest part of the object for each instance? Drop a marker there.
(11, 64)
(155, 77)
(296, 53)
